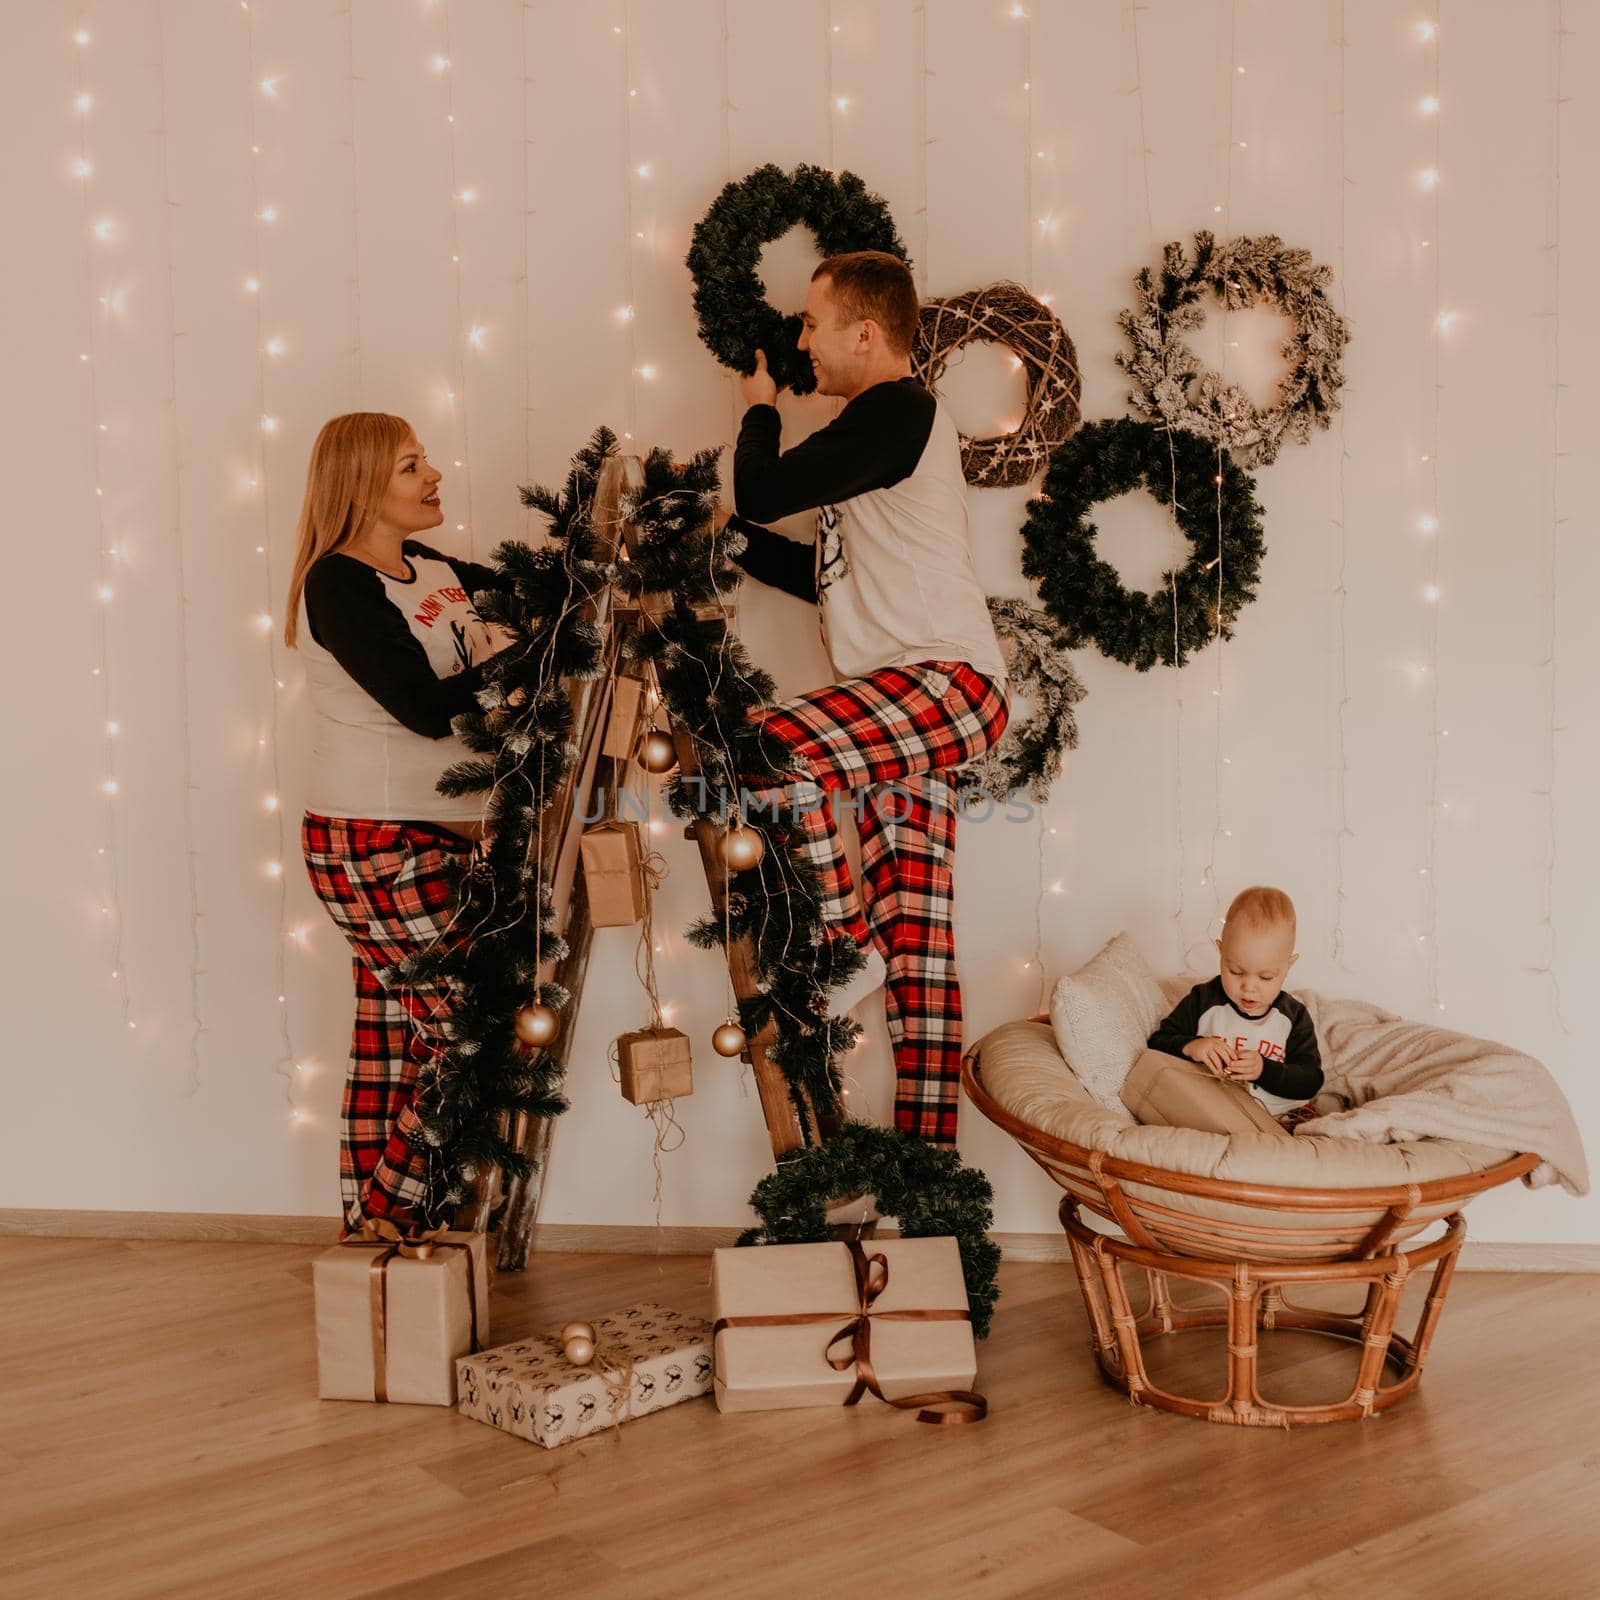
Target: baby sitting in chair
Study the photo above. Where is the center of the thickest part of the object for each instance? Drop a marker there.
(1253, 1047)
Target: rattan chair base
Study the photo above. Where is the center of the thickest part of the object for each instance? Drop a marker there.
(1256, 1305)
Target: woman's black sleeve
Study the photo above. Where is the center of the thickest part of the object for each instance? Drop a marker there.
(356, 623)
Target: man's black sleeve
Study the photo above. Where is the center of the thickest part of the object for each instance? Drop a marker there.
(1299, 1075)
(772, 559)
(875, 441)
(356, 623)
(1179, 1026)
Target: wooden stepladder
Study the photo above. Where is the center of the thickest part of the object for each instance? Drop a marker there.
(594, 769)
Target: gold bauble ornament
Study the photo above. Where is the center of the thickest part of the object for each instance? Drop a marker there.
(657, 754)
(577, 1330)
(578, 1350)
(729, 1039)
(537, 1025)
(741, 848)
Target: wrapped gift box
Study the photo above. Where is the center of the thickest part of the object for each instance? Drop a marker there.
(613, 873)
(390, 1326)
(625, 720)
(530, 1389)
(656, 1065)
(767, 1368)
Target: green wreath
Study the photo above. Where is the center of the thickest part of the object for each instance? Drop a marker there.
(927, 1189)
(1214, 507)
(724, 259)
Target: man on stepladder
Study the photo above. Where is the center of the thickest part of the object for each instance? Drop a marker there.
(921, 681)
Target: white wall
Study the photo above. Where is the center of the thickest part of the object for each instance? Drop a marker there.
(1328, 739)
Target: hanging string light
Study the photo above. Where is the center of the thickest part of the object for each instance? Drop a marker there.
(473, 337)
(1553, 521)
(102, 231)
(1428, 524)
(633, 237)
(181, 597)
(1341, 762)
(266, 216)
(1174, 534)
(1219, 828)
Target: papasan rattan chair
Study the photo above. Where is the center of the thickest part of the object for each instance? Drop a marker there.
(1251, 1215)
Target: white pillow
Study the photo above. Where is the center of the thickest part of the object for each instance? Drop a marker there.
(1103, 1014)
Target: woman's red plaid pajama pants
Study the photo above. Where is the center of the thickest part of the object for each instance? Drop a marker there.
(892, 738)
(384, 885)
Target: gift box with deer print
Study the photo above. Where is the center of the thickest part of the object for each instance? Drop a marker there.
(646, 1357)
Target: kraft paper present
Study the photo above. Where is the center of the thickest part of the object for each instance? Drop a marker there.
(774, 1367)
(625, 719)
(531, 1390)
(613, 873)
(656, 1064)
(421, 1315)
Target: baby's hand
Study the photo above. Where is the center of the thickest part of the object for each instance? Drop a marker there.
(1245, 1067)
(1212, 1054)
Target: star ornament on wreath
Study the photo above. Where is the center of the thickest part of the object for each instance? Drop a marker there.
(736, 319)
(1171, 385)
(1214, 506)
(1006, 314)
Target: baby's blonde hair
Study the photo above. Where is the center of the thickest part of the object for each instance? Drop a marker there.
(1261, 907)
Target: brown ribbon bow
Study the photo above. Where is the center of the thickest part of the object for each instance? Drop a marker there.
(378, 1233)
(872, 1277)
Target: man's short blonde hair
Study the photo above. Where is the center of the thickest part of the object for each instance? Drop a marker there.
(1261, 907)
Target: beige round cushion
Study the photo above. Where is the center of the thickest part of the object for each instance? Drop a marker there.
(1026, 1074)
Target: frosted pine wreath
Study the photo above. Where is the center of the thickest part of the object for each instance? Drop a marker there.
(1006, 314)
(1171, 385)
(925, 1188)
(724, 259)
(1195, 603)
(1029, 754)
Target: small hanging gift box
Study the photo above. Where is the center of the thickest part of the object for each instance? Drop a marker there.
(656, 1065)
(393, 1315)
(825, 1324)
(613, 871)
(646, 1357)
(630, 699)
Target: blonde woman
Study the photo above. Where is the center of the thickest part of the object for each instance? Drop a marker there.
(393, 650)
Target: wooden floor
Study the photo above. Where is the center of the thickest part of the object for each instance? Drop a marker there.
(160, 1437)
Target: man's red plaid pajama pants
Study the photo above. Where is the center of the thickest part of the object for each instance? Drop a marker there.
(385, 887)
(892, 737)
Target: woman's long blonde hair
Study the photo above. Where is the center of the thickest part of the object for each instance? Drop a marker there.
(351, 464)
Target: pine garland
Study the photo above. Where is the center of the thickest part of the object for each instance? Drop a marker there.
(1169, 383)
(1030, 753)
(710, 685)
(724, 259)
(467, 1095)
(925, 1188)
(1086, 596)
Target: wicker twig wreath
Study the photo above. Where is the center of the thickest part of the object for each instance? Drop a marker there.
(724, 259)
(1169, 383)
(1006, 314)
(1195, 603)
(1029, 754)
(926, 1188)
